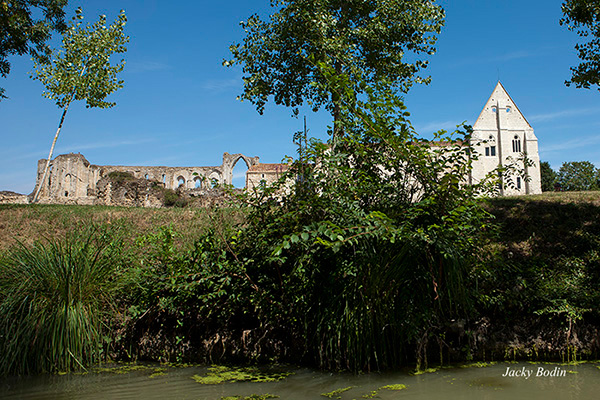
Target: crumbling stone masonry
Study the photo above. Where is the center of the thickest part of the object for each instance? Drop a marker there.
(73, 180)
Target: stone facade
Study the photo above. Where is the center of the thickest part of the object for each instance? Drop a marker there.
(7, 197)
(501, 135)
(264, 174)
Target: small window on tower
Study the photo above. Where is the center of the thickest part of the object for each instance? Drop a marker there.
(518, 182)
(493, 109)
(493, 151)
(487, 151)
(507, 109)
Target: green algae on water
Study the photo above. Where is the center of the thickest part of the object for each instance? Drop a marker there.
(479, 364)
(251, 397)
(399, 386)
(219, 374)
(374, 393)
(336, 393)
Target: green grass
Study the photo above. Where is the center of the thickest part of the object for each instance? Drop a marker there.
(53, 300)
(28, 223)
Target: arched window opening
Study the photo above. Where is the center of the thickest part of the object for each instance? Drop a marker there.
(214, 178)
(494, 109)
(146, 177)
(164, 178)
(180, 181)
(198, 182)
(240, 168)
(516, 145)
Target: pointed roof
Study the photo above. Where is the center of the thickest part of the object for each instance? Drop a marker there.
(500, 98)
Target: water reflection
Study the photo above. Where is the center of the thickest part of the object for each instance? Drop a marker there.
(581, 382)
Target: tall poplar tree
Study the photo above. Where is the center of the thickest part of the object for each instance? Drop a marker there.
(376, 41)
(82, 69)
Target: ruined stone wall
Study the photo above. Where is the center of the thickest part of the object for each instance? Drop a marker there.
(7, 197)
(73, 180)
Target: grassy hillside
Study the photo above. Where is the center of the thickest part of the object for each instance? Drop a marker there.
(539, 278)
(27, 223)
(535, 287)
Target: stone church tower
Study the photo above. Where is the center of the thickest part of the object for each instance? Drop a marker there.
(501, 136)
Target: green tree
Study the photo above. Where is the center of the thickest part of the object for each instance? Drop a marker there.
(583, 16)
(21, 33)
(578, 175)
(548, 176)
(82, 70)
(368, 41)
(366, 257)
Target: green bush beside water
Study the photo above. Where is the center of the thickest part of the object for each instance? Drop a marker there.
(369, 254)
(55, 298)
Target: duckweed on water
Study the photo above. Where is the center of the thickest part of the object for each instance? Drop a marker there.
(336, 393)
(158, 372)
(479, 364)
(399, 386)
(374, 393)
(251, 397)
(426, 371)
(221, 374)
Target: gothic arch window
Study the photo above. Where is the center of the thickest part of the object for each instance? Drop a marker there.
(198, 182)
(180, 181)
(516, 144)
(214, 178)
(239, 171)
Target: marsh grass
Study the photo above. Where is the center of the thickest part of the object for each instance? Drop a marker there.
(54, 297)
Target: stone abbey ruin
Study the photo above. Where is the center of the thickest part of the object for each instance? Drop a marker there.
(501, 135)
(74, 180)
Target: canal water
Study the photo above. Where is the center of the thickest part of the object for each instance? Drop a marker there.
(510, 381)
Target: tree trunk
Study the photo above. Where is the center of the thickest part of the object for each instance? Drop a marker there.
(43, 180)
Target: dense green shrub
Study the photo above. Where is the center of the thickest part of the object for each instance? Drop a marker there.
(120, 176)
(54, 298)
(578, 175)
(367, 255)
(548, 177)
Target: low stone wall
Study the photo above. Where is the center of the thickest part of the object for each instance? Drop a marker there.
(13, 198)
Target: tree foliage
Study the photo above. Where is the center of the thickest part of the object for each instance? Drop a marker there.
(365, 40)
(578, 175)
(583, 16)
(548, 177)
(23, 33)
(82, 69)
(367, 254)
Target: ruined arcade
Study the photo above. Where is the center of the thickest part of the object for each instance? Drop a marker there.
(74, 180)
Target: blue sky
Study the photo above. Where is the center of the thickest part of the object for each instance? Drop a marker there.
(179, 107)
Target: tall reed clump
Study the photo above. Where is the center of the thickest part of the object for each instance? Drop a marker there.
(54, 297)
